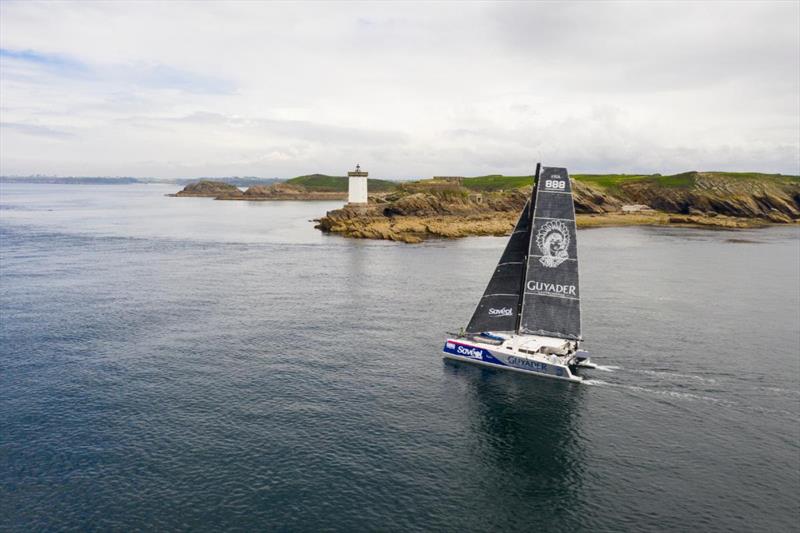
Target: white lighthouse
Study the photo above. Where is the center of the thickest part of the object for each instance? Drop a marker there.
(357, 187)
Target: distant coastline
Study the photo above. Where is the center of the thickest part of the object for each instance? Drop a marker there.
(455, 207)
(237, 181)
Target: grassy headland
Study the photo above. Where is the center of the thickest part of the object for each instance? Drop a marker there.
(489, 205)
(498, 182)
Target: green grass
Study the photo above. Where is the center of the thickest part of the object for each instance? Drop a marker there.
(687, 179)
(757, 176)
(325, 183)
(682, 181)
(608, 181)
(496, 182)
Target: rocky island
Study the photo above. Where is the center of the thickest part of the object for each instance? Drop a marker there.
(208, 189)
(490, 205)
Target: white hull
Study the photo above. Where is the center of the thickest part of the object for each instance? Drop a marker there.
(510, 358)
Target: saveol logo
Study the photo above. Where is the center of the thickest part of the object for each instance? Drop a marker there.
(450, 346)
(505, 311)
(474, 353)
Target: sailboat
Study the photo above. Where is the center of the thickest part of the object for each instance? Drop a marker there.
(529, 318)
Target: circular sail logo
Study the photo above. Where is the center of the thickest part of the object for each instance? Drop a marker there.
(553, 241)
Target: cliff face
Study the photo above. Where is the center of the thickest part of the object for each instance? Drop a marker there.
(416, 212)
(591, 199)
(774, 200)
(455, 201)
(373, 224)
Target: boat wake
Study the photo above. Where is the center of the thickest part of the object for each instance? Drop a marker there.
(659, 392)
(667, 390)
(657, 373)
(594, 382)
(695, 397)
(674, 375)
(606, 368)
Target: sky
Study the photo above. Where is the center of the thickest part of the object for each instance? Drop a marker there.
(186, 89)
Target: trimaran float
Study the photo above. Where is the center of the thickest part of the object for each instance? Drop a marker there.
(529, 318)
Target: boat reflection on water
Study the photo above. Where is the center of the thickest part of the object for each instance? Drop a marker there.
(525, 445)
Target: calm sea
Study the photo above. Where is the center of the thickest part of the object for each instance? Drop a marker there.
(189, 364)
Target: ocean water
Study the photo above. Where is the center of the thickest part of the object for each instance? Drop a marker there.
(189, 364)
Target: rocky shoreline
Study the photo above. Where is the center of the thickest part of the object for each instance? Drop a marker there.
(427, 209)
(413, 229)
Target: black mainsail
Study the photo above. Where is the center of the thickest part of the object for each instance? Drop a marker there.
(534, 289)
(551, 303)
(499, 307)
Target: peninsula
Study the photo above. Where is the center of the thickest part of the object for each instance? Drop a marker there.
(490, 205)
(454, 207)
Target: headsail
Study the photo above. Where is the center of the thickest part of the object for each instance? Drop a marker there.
(500, 304)
(551, 299)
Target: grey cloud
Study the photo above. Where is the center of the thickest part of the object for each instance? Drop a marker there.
(35, 130)
(646, 45)
(294, 129)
